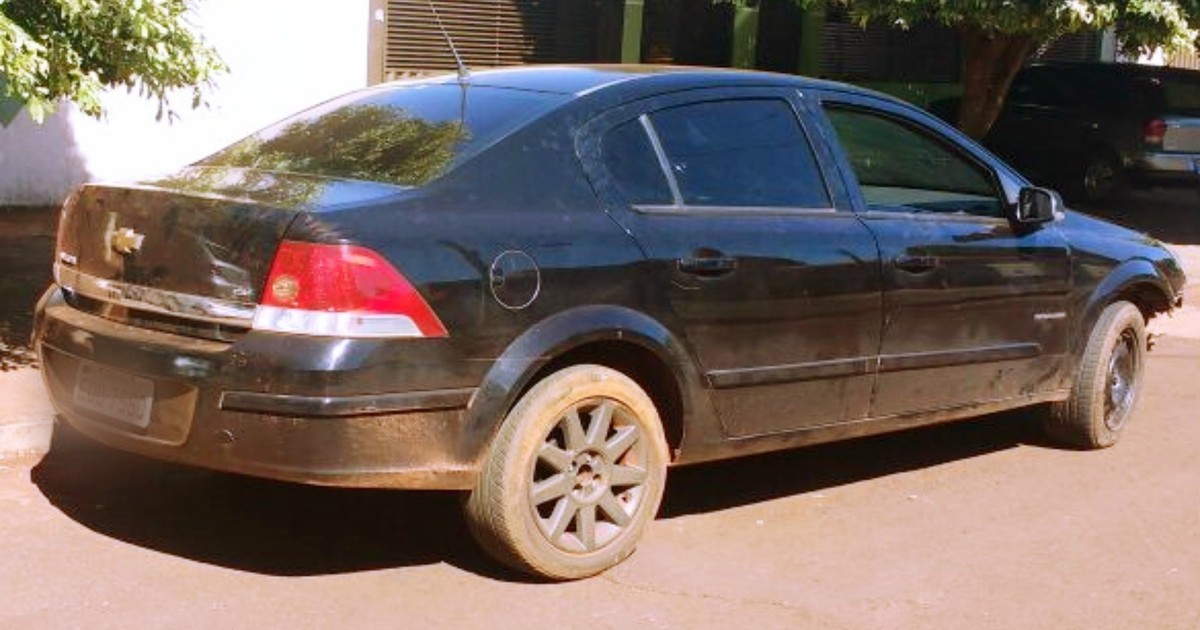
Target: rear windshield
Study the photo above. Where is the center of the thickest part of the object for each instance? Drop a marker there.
(407, 135)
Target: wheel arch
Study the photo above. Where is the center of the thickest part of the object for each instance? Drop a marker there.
(1137, 281)
(617, 337)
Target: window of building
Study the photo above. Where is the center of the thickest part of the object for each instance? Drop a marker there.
(491, 33)
(925, 52)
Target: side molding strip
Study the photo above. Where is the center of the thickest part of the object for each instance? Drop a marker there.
(946, 358)
(773, 374)
(342, 406)
(861, 366)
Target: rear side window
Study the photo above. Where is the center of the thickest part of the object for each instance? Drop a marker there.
(407, 135)
(1045, 87)
(1182, 96)
(633, 166)
(750, 153)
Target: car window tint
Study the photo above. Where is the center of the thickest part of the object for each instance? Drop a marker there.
(1182, 96)
(1044, 87)
(901, 169)
(633, 167)
(750, 153)
(407, 135)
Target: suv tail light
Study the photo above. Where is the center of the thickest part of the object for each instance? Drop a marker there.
(341, 291)
(1154, 132)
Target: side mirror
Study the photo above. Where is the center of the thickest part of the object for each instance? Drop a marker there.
(1037, 205)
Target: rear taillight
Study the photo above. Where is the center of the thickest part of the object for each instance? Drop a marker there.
(341, 291)
(1154, 132)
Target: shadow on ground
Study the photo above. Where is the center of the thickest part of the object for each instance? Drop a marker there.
(26, 249)
(294, 530)
(1170, 215)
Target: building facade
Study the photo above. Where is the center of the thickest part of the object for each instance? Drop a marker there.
(287, 54)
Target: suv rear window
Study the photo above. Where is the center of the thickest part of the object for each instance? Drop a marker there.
(407, 135)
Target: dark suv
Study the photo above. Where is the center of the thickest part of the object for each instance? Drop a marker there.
(1094, 127)
(545, 286)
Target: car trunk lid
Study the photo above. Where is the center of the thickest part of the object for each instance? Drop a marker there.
(195, 246)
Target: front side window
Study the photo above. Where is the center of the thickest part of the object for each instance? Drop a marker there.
(902, 169)
(744, 153)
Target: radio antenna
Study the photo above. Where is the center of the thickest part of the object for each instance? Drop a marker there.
(463, 73)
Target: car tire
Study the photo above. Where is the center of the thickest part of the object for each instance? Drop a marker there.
(573, 477)
(1107, 384)
(1101, 178)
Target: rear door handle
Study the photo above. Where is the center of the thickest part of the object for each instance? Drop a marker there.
(709, 265)
(915, 264)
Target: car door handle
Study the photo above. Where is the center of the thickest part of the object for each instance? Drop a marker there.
(707, 265)
(915, 264)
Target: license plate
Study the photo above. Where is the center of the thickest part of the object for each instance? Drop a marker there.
(114, 394)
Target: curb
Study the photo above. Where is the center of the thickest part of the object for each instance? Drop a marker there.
(26, 417)
(20, 440)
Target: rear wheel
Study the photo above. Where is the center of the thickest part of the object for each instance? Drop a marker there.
(574, 475)
(1101, 178)
(1107, 384)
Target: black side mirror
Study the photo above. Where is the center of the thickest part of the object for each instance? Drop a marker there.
(1037, 205)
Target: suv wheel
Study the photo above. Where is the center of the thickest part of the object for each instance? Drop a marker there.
(573, 477)
(1101, 177)
(1107, 385)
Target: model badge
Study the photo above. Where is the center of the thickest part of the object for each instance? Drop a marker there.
(126, 241)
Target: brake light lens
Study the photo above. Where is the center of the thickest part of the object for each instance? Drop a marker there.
(1154, 132)
(343, 291)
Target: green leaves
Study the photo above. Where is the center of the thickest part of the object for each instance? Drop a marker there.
(1141, 24)
(73, 49)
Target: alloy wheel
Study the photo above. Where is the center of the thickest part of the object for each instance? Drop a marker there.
(1120, 384)
(589, 477)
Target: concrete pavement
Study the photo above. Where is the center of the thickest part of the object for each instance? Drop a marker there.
(977, 524)
(971, 525)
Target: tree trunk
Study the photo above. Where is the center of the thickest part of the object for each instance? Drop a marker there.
(990, 61)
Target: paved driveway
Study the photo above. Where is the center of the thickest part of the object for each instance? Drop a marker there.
(975, 525)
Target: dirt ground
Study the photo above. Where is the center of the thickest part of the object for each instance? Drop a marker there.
(26, 244)
(970, 525)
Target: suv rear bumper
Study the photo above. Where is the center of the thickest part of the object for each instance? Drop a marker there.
(1166, 168)
(203, 414)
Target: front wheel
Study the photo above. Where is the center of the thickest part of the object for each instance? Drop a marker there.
(573, 477)
(1107, 384)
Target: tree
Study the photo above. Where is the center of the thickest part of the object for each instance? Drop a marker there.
(998, 36)
(52, 50)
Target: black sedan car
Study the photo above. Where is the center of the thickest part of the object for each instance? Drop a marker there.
(545, 286)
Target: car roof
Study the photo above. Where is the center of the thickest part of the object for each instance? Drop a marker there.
(580, 80)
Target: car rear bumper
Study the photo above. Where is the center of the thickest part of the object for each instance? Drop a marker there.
(1166, 168)
(214, 408)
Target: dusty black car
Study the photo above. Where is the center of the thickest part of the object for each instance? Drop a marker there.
(545, 286)
(1096, 127)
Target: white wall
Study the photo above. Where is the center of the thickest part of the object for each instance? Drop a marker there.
(284, 55)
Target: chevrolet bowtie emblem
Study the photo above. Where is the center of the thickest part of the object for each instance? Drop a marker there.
(126, 241)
